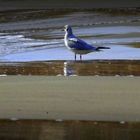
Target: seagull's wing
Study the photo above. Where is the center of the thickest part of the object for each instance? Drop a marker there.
(76, 43)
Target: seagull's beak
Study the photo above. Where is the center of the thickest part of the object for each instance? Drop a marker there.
(64, 30)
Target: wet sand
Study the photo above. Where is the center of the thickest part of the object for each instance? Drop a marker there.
(70, 98)
(80, 68)
(68, 130)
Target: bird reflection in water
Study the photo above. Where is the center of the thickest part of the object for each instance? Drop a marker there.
(68, 70)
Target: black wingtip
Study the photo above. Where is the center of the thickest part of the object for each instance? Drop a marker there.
(100, 48)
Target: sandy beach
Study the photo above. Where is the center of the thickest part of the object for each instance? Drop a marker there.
(70, 98)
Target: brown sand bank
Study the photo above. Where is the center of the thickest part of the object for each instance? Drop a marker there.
(70, 98)
(68, 130)
(84, 68)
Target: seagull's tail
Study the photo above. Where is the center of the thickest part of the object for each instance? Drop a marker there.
(100, 48)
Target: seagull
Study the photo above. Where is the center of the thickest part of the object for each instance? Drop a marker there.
(77, 45)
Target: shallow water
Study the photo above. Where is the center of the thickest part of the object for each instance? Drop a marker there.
(42, 39)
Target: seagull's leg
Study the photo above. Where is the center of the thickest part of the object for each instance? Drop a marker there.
(80, 57)
(75, 56)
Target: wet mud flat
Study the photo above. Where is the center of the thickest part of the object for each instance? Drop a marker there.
(67, 68)
(31, 21)
(68, 130)
(32, 14)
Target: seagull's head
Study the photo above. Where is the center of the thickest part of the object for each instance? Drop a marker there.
(68, 29)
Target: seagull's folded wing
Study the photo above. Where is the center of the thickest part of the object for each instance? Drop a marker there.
(79, 44)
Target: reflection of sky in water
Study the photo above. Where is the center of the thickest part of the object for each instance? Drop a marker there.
(116, 52)
(18, 48)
